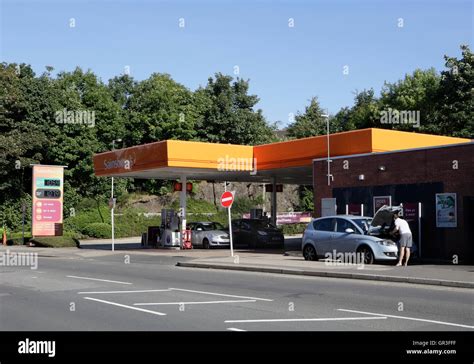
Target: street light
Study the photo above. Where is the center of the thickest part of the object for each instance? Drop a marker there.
(326, 116)
(112, 202)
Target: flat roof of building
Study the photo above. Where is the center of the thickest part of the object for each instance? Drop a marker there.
(287, 161)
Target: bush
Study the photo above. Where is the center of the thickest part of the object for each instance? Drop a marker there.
(56, 242)
(195, 206)
(134, 223)
(97, 230)
(291, 229)
(243, 205)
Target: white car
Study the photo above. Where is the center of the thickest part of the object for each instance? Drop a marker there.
(207, 234)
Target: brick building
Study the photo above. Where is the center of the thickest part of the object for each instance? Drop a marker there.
(409, 177)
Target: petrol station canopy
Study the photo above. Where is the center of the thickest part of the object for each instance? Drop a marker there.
(288, 162)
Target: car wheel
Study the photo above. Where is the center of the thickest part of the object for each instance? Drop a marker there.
(368, 256)
(205, 244)
(309, 253)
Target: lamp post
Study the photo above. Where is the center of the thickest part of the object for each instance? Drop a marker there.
(112, 201)
(326, 116)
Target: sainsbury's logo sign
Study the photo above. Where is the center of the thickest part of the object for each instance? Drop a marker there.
(118, 163)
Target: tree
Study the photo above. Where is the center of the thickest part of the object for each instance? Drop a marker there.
(23, 105)
(226, 113)
(160, 109)
(416, 93)
(312, 122)
(456, 96)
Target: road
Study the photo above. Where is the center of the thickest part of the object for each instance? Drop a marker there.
(139, 292)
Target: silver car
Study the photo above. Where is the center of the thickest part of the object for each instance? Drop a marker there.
(208, 234)
(336, 237)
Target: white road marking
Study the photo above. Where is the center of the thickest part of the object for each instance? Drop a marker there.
(97, 279)
(408, 318)
(137, 291)
(307, 319)
(234, 329)
(125, 306)
(189, 303)
(221, 294)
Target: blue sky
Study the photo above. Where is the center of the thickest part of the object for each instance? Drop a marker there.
(286, 65)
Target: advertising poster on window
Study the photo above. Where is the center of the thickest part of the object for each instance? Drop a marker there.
(446, 210)
(410, 211)
(379, 201)
(355, 209)
(47, 219)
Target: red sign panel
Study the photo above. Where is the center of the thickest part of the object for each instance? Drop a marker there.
(226, 199)
(355, 209)
(410, 211)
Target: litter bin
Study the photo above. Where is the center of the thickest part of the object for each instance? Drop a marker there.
(153, 233)
(144, 241)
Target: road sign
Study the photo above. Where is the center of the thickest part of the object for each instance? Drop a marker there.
(227, 198)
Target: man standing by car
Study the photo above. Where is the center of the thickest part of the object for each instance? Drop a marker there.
(406, 240)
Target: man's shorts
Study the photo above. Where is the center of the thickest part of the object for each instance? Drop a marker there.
(406, 240)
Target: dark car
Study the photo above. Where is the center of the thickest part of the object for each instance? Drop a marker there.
(256, 233)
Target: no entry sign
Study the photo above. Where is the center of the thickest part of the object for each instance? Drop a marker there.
(227, 198)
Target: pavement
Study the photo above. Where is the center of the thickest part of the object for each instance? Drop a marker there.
(438, 275)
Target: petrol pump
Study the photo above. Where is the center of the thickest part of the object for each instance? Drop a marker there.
(170, 235)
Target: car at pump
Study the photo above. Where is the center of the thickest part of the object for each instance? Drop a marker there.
(338, 236)
(207, 234)
(257, 233)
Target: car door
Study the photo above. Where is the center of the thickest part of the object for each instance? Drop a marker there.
(246, 234)
(342, 241)
(323, 229)
(199, 234)
(236, 231)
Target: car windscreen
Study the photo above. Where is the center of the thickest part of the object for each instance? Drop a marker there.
(364, 224)
(212, 226)
(262, 224)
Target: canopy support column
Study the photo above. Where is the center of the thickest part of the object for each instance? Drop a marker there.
(182, 205)
(274, 201)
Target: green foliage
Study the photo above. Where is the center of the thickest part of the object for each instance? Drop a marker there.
(455, 115)
(243, 205)
(55, 242)
(416, 92)
(293, 229)
(306, 199)
(11, 214)
(310, 123)
(196, 206)
(225, 113)
(220, 216)
(133, 222)
(159, 108)
(97, 230)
